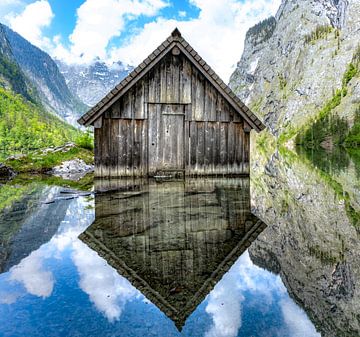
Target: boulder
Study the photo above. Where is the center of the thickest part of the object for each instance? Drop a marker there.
(72, 169)
(6, 172)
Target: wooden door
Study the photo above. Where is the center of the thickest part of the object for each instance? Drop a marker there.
(166, 138)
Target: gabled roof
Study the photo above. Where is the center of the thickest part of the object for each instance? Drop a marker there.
(175, 39)
(177, 312)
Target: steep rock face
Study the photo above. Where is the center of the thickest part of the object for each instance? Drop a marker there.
(11, 76)
(46, 77)
(28, 223)
(310, 241)
(294, 62)
(92, 82)
(5, 48)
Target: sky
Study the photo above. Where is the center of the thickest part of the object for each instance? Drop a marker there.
(80, 31)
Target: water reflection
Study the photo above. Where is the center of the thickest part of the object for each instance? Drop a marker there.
(180, 249)
(313, 240)
(173, 240)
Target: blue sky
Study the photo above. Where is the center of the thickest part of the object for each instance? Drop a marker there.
(78, 31)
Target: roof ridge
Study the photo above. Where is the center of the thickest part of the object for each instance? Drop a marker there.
(176, 38)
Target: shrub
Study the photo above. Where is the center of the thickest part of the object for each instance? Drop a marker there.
(320, 32)
(85, 140)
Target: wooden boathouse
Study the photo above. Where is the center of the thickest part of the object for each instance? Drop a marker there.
(171, 114)
(175, 240)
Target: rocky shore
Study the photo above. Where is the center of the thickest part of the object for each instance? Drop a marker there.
(68, 162)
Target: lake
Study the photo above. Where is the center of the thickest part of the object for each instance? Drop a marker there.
(274, 255)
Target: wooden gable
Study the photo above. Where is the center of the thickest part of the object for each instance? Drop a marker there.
(174, 57)
(174, 81)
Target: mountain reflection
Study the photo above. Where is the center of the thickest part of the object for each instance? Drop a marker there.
(173, 240)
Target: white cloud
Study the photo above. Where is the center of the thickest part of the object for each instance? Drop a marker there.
(296, 320)
(31, 273)
(217, 34)
(225, 301)
(31, 22)
(8, 8)
(115, 291)
(225, 308)
(98, 22)
(8, 297)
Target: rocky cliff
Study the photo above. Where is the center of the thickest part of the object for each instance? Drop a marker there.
(312, 238)
(11, 75)
(293, 63)
(45, 76)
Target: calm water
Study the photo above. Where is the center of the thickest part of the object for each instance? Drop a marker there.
(277, 255)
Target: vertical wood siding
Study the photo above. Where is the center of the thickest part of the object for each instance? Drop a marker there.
(172, 119)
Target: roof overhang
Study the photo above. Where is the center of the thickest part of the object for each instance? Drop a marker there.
(154, 58)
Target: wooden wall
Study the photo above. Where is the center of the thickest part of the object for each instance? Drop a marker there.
(180, 233)
(210, 136)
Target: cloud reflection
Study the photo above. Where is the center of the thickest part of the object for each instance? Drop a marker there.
(31, 273)
(227, 298)
(225, 308)
(106, 288)
(296, 320)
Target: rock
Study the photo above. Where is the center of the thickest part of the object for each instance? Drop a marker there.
(295, 71)
(327, 144)
(63, 148)
(72, 169)
(6, 173)
(310, 241)
(16, 156)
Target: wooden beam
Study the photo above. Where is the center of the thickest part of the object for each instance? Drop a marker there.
(98, 123)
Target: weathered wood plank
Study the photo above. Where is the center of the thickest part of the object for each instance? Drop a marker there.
(151, 86)
(144, 148)
(185, 82)
(106, 147)
(204, 137)
(163, 82)
(200, 153)
(97, 152)
(231, 149)
(210, 102)
(223, 148)
(137, 147)
(209, 138)
(187, 147)
(246, 158)
(139, 96)
(122, 149)
(113, 146)
(193, 145)
(239, 146)
(126, 105)
(115, 110)
(128, 125)
(197, 95)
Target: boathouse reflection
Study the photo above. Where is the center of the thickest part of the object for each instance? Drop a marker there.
(173, 240)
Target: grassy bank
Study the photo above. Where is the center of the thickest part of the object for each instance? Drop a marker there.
(24, 125)
(40, 162)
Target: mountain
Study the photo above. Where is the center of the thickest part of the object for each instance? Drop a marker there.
(25, 125)
(92, 82)
(312, 238)
(11, 75)
(24, 122)
(300, 70)
(44, 74)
